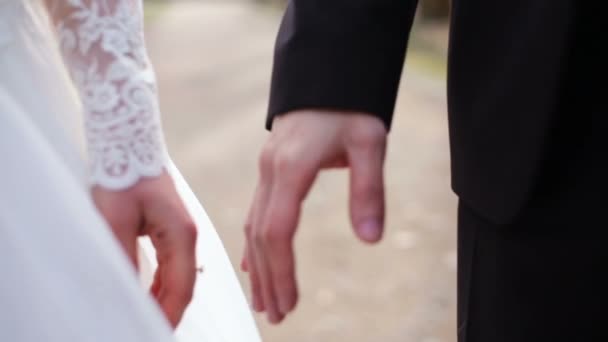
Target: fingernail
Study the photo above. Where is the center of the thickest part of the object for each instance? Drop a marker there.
(370, 229)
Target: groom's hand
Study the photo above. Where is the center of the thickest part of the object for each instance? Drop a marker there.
(300, 145)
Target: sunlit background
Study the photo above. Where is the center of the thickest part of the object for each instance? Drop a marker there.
(213, 61)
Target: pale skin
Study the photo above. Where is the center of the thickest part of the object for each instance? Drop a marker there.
(153, 207)
(300, 145)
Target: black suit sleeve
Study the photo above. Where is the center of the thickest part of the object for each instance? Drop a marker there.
(340, 54)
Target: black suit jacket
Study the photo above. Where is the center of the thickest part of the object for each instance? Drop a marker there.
(515, 69)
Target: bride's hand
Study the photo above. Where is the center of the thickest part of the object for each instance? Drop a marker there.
(153, 207)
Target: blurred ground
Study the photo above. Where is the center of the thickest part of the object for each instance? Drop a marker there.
(213, 62)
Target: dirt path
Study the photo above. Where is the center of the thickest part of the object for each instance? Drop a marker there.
(213, 62)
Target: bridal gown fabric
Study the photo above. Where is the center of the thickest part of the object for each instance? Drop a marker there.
(71, 117)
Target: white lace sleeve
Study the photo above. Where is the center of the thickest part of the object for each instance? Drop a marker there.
(103, 46)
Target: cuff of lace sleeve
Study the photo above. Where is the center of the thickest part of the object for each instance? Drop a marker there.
(118, 168)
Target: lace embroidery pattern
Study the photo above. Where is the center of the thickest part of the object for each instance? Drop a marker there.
(103, 45)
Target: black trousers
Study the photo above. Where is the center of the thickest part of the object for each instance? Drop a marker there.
(540, 278)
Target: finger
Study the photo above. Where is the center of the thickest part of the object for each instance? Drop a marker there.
(292, 181)
(176, 251)
(264, 278)
(256, 285)
(177, 286)
(156, 283)
(265, 281)
(281, 220)
(256, 290)
(367, 206)
(128, 239)
(244, 264)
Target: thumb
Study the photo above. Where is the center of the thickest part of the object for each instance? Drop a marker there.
(175, 243)
(367, 190)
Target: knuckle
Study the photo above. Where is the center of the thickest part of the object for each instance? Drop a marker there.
(288, 162)
(257, 238)
(275, 236)
(367, 138)
(190, 232)
(267, 157)
(248, 229)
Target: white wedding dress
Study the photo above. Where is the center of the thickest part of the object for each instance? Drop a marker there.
(78, 106)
